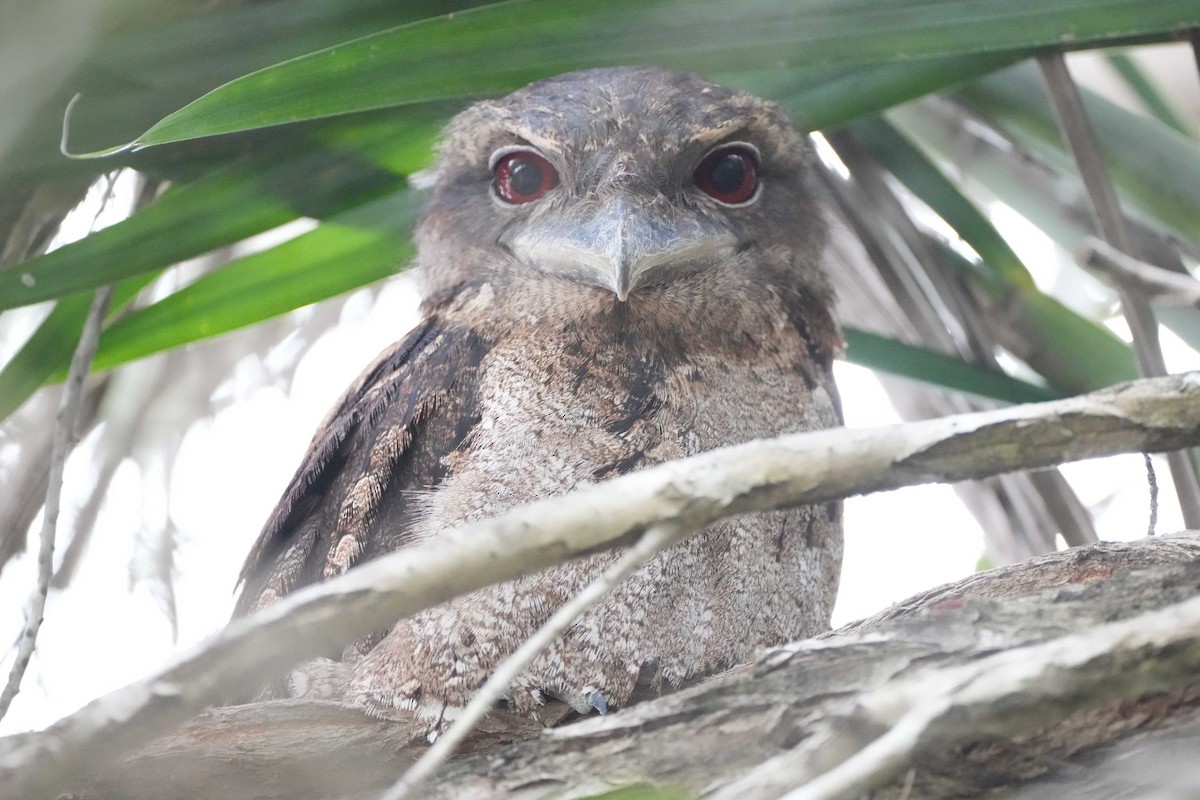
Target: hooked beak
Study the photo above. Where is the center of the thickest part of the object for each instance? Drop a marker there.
(620, 247)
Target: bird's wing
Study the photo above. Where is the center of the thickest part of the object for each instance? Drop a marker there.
(389, 433)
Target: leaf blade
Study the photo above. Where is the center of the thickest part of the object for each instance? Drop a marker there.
(927, 366)
(354, 249)
(487, 47)
(1072, 353)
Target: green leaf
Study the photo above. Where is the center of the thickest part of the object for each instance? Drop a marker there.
(1072, 353)
(487, 50)
(826, 96)
(148, 58)
(920, 364)
(1155, 168)
(344, 167)
(343, 253)
(1146, 91)
(51, 346)
(351, 250)
(927, 182)
(181, 224)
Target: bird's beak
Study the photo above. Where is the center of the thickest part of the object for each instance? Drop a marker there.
(620, 246)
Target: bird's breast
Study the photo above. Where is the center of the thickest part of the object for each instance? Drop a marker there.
(561, 411)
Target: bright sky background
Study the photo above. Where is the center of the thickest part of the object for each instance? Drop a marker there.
(108, 629)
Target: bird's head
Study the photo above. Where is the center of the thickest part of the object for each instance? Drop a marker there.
(620, 180)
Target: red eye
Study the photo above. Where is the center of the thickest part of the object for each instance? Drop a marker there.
(729, 174)
(522, 176)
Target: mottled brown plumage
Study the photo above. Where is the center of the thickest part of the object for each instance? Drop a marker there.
(621, 318)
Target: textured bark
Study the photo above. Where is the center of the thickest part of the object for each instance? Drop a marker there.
(809, 707)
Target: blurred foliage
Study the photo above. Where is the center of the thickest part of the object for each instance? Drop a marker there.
(260, 113)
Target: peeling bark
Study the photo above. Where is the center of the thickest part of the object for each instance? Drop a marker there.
(815, 704)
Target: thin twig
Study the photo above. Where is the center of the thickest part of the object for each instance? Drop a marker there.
(1102, 197)
(64, 441)
(1152, 479)
(1164, 284)
(1077, 132)
(651, 544)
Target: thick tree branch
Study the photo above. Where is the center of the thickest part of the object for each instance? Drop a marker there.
(797, 704)
(1003, 695)
(1149, 415)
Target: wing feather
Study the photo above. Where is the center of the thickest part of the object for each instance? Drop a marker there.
(388, 434)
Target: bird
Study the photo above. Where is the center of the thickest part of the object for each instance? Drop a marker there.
(619, 267)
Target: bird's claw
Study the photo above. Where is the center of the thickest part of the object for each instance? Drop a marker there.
(596, 700)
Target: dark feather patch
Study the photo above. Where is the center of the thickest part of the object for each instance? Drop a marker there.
(380, 440)
(622, 465)
(812, 319)
(640, 402)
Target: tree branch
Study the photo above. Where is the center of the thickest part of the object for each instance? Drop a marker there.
(775, 711)
(651, 543)
(1164, 284)
(1006, 694)
(1148, 415)
(1110, 223)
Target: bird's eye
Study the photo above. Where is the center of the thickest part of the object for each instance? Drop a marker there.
(729, 174)
(522, 176)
